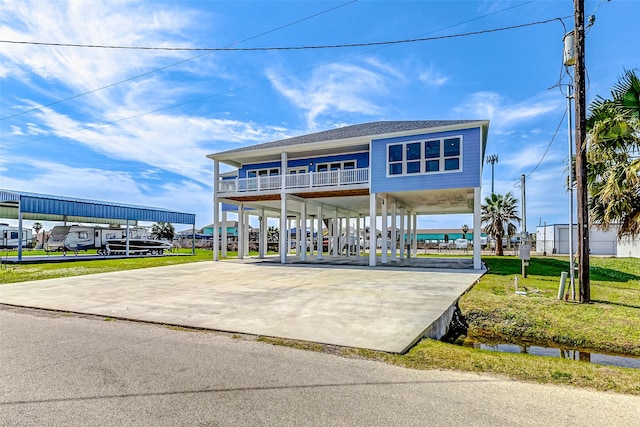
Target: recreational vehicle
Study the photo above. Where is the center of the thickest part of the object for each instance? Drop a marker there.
(9, 236)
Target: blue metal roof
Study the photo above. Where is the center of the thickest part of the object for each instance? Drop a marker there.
(52, 208)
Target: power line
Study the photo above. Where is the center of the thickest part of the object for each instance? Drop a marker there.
(179, 62)
(550, 142)
(281, 48)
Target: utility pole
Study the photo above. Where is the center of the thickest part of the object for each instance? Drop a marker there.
(493, 159)
(581, 155)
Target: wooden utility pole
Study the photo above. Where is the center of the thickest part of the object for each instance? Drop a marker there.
(581, 155)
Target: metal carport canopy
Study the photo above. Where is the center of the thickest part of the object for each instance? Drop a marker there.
(22, 205)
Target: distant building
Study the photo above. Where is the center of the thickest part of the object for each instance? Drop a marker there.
(554, 239)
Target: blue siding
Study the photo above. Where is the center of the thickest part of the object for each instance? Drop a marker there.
(362, 161)
(468, 177)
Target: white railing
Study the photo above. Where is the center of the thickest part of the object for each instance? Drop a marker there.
(337, 178)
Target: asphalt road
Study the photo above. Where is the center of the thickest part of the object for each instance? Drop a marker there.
(58, 370)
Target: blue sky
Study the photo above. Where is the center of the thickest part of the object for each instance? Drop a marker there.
(144, 141)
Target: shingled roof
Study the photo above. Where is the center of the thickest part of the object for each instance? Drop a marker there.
(354, 131)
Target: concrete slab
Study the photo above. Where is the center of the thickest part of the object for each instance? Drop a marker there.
(386, 309)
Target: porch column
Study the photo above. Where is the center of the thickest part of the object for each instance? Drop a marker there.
(403, 241)
(358, 248)
(241, 231)
(394, 231)
(319, 232)
(245, 245)
(311, 230)
(223, 225)
(335, 237)
(385, 258)
(347, 233)
(372, 229)
(282, 240)
(409, 234)
(262, 235)
(477, 228)
(415, 235)
(302, 232)
(216, 207)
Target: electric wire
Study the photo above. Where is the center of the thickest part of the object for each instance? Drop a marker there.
(550, 142)
(179, 62)
(284, 48)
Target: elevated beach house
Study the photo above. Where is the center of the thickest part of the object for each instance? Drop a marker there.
(353, 180)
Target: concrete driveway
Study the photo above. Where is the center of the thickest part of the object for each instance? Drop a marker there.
(386, 309)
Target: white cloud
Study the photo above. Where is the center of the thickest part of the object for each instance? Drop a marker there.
(433, 78)
(505, 115)
(337, 88)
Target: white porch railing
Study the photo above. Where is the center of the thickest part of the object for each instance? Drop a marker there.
(337, 178)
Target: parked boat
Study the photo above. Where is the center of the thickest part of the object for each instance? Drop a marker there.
(138, 246)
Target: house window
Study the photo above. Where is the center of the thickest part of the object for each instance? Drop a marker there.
(263, 172)
(334, 166)
(422, 157)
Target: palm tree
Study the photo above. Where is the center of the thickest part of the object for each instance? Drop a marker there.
(37, 226)
(465, 230)
(613, 172)
(498, 213)
(163, 230)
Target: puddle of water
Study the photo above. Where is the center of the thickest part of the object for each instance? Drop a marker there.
(583, 356)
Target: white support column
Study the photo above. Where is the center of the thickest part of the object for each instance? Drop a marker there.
(409, 234)
(385, 247)
(241, 231)
(358, 248)
(216, 208)
(302, 231)
(245, 245)
(319, 232)
(347, 233)
(311, 231)
(477, 228)
(20, 230)
(298, 235)
(335, 236)
(282, 241)
(394, 231)
(415, 235)
(372, 229)
(223, 228)
(403, 241)
(262, 235)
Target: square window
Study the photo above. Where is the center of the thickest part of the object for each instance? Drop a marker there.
(432, 149)
(452, 164)
(349, 165)
(433, 165)
(452, 147)
(395, 153)
(274, 172)
(395, 169)
(413, 167)
(322, 168)
(413, 151)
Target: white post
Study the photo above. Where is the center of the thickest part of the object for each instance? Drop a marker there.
(409, 234)
(477, 228)
(223, 225)
(403, 241)
(384, 259)
(394, 231)
(282, 243)
(372, 229)
(311, 231)
(216, 207)
(20, 230)
(415, 235)
(335, 236)
(358, 248)
(241, 231)
(320, 239)
(347, 233)
(262, 235)
(302, 231)
(245, 245)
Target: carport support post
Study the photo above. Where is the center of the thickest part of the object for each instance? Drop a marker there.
(384, 258)
(410, 230)
(319, 232)
(334, 232)
(347, 233)
(477, 228)
(372, 230)
(415, 235)
(19, 230)
(225, 238)
(302, 231)
(358, 248)
(245, 246)
(402, 237)
(216, 207)
(193, 240)
(127, 240)
(282, 235)
(394, 231)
